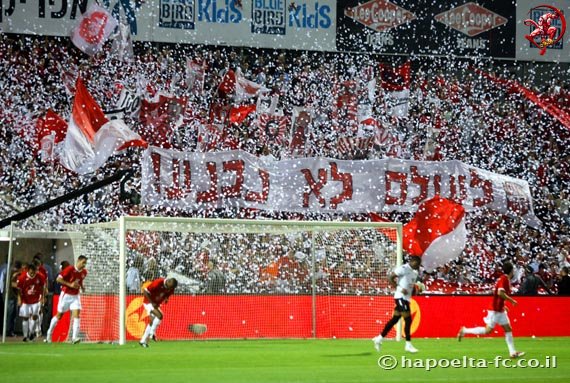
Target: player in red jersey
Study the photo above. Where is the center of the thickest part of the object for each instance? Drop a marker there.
(32, 289)
(497, 314)
(155, 294)
(71, 280)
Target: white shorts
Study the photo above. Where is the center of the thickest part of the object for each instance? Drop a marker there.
(29, 309)
(68, 302)
(494, 318)
(149, 307)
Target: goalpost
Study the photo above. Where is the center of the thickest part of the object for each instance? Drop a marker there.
(240, 278)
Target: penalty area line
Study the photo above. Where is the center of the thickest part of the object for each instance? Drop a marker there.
(30, 354)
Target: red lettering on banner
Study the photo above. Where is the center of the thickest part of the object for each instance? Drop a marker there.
(485, 185)
(422, 181)
(262, 196)
(156, 170)
(314, 187)
(453, 195)
(175, 191)
(237, 167)
(212, 194)
(401, 179)
(346, 193)
(437, 184)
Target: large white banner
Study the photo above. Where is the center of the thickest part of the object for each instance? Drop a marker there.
(190, 181)
(303, 24)
(532, 9)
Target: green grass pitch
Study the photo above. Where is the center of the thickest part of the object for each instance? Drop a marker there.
(266, 361)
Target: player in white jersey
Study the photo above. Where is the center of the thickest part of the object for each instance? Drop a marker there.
(406, 276)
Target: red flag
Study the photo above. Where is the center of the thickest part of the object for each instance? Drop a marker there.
(395, 78)
(300, 131)
(51, 124)
(228, 85)
(240, 113)
(436, 233)
(549, 107)
(159, 118)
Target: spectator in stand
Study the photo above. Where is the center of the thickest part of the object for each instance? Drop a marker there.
(531, 283)
(564, 282)
(215, 280)
(134, 276)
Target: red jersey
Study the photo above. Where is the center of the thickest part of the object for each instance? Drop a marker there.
(31, 288)
(158, 291)
(42, 270)
(70, 274)
(498, 302)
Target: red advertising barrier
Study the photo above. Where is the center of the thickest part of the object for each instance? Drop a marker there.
(278, 316)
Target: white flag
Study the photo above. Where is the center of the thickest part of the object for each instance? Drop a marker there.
(93, 29)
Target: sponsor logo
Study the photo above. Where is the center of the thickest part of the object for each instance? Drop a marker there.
(315, 16)
(219, 11)
(535, 14)
(177, 14)
(268, 17)
(471, 19)
(380, 15)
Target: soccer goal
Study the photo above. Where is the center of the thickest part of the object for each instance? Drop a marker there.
(239, 278)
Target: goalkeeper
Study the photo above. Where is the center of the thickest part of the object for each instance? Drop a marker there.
(156, 293)
(406, 276)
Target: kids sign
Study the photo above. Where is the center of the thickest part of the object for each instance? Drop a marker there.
(190, 181)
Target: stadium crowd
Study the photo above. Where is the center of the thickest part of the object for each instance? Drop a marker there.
(454, 113)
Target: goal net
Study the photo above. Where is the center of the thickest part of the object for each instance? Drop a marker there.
(239, 278)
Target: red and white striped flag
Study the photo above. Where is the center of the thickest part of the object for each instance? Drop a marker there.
(354, 146)
(93, 29)
(91, 138)
(436, 233)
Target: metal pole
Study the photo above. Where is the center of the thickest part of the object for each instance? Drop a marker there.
(314, 285)
(399, 261)
(122, 282)
(8, 284)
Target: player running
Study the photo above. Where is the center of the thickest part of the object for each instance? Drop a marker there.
(498, 313)
(407, 275)
(155, 294)
(71, 280)
(32, 289)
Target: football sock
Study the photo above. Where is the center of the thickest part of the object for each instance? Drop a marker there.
(408, 327)
(52, 325)
(32, 326)
(475, 331)
(155, 324)
(146, 334)
(25, 328)
(510, 342)
(75, 328)
(389, 325)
